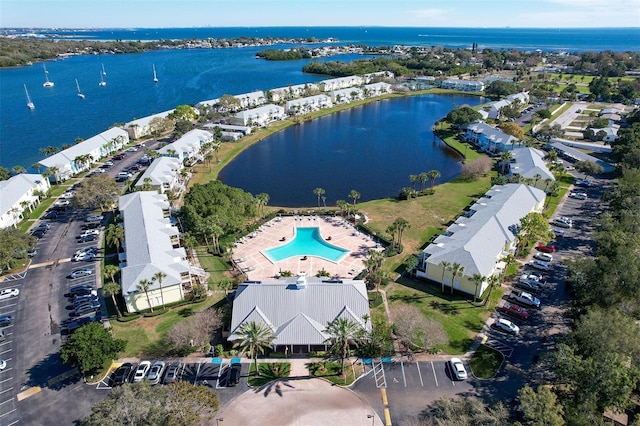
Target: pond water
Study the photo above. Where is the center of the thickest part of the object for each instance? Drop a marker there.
(372, 149)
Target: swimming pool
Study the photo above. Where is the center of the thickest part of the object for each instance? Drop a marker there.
(306, 242)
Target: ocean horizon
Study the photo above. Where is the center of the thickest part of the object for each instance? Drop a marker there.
(188, 76)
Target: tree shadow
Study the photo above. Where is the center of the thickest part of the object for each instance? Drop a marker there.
(445, 308)
(51, 373)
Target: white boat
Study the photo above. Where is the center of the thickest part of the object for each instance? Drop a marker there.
(103, 71)
(30, 104)
(47, 83)
(80, 94)
(155, 77)
(102, 82)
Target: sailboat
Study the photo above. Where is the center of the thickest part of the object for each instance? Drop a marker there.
(47, 83)
(103, 71)
(102, 82)
(80, 94)
(155, 77)
(30, 104)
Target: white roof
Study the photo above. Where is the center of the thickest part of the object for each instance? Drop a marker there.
(192, 139)
(529, 162)
(312, 100)
(299, 316)
(162, 170)
(14, 188)
(491, 133)
(262, 110)
(86, 147)
(145, 121)
(477, 240)
(148, 241)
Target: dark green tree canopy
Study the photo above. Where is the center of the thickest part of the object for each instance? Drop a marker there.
(89, 347)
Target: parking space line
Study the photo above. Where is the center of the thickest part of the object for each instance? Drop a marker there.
(222, 368)
(5, 380)
(4, 352)
(6, 390)
(9, 412)
(195, 380)
(404, 377)
(434, 373)
(419, 374)
(8, 400)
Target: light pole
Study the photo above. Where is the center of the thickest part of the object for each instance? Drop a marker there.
(218, 421)
(372, 417)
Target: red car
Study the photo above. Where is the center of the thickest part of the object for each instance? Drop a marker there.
(514, 310)
(546, 249)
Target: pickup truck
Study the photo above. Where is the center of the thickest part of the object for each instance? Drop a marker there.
(524, 298)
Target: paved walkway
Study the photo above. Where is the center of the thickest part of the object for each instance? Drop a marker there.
(249, 252)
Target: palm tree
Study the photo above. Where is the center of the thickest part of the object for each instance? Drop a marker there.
(392, 230)
(254, 338)
(159, 276)
(343, 331)
(18, 170)
(354, 195)
(401, 224)
(456, 269)
(494, 281)
(478, 279)
(54, 172)
(115, 235)
(445, 267)
(341, 204)
(319, 192)
(413, 179)
(144, 285)
(263, 200)
(112, 289)
(423, 177)
(433, 175)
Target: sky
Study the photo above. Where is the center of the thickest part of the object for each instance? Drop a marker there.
(309, 13)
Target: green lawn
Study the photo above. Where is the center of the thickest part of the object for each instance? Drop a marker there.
(268, 371)
(461, 318)
(215, 265)
(330, 370)
(144, 336)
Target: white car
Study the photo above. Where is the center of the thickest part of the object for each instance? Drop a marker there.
(563, 222)
(67, 195)
(90, 232)
(8, 293)
(457, 368)
(155, 373)
(94, 218)
(141, 371)
(84, 272)
(539, 265)
(545, 257)
(578, 195)
(507, 326)
(3, 364)
(84, 256)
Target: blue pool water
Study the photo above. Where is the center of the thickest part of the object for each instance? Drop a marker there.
(307, 242)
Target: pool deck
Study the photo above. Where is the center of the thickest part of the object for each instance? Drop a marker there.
(335, 230)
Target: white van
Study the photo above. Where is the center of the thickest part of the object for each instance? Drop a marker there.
(545, 257)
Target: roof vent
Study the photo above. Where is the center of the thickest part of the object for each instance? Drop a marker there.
(301, 281)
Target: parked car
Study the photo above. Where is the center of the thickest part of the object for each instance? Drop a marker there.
(155, 373)
(120, 156)
(90, 232)
(121, 375)
(84, 272)
(85, 308)
(531, 286)
(141, 371)
(506, 326)
(94, 218)
(107, 164)
(6, 320)
(233, 377)
(514, 310)
(84, 250)
(82, 320)
(524, 298)
(8, 293)
(563, 222)
(457, 369)
(545, 257)
(87, 238)
(83, 257)
(578, 195)
(172, 373)
(80, 287)
(583, 183)
(559, 233)
(85, 298)
(32, 252)
(548, 248)
(39, 233)
(51, 214)
(3, 364)
(539, 265)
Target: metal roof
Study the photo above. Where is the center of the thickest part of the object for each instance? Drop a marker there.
(299, 314)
